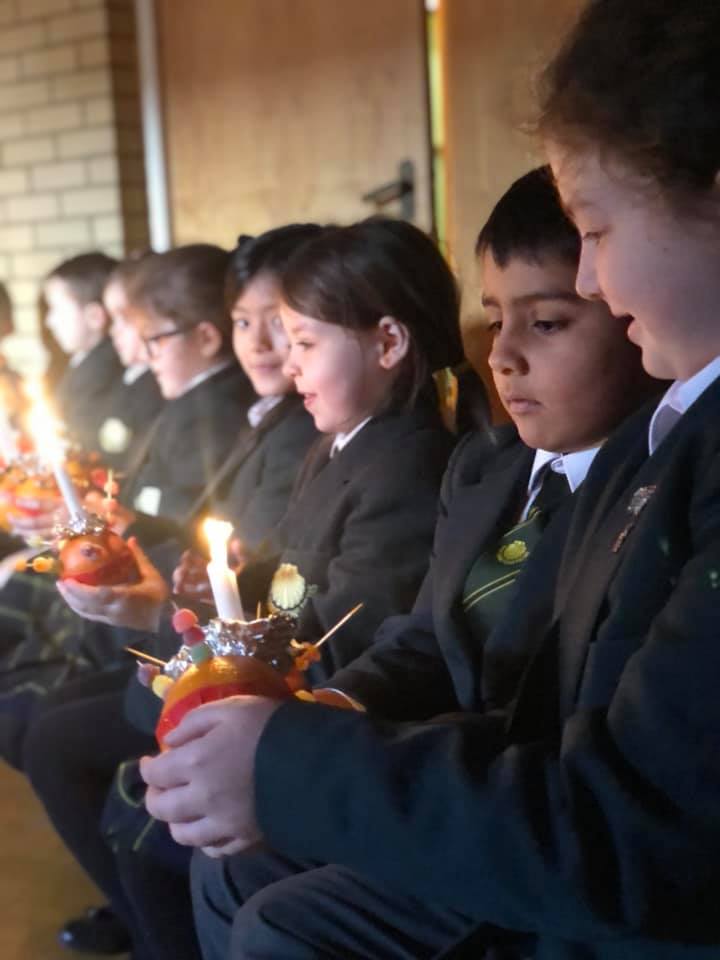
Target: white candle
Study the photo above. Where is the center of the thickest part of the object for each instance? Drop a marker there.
(222, 579)
(45, 431)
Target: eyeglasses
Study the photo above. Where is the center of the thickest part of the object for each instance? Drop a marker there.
(152, 344)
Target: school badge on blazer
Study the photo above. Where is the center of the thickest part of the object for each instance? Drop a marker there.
(289, 590)
(638, 502)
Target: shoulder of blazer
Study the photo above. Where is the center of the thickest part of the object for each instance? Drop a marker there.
(479, 451)
(98, 371)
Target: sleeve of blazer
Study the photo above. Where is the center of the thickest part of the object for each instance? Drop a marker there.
(383, 552)
(403, 674)
(610, 828)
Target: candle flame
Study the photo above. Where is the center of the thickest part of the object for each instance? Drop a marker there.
(43, 424)
(218, 534)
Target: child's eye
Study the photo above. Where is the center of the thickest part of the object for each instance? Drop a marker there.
(241, 323)
(302, 344)
(549, 326)
(276, 322)
(591, 236)
(494, 327)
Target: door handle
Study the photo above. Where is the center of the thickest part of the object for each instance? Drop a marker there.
(402, 189)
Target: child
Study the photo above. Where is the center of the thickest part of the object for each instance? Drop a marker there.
(77, 320)
(176, 300)
(371, 312)
(588, 824)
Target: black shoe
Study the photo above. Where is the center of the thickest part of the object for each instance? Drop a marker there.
(97, 931)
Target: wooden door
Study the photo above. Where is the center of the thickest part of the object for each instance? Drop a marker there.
(290, 110)
(492, 52)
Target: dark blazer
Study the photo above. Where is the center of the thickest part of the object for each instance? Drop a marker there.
(252, 487)
(361, 530)
(190, 439)
(86, 394)
(593, 820)
(131, 410)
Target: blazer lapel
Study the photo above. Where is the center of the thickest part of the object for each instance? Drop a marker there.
(478, 514)
(602, 550)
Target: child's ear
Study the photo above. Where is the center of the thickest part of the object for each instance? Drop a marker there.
(209, 338)
(95, 316)
(393, 342)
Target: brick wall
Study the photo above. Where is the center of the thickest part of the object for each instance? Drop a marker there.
(71, 162)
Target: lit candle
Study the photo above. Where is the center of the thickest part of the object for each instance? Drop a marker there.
(222, 579)
(45, 431)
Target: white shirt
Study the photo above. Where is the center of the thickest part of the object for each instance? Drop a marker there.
(679, 398)
(574, 466)
(258, 410)
(343, 439)
(133, 373)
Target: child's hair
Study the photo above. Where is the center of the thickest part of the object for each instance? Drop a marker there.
(267, 253)
(354, 276)
(638, 81)
(529, 222)
(125, 272)
(85, 275)
(6, 312)
(185, 285)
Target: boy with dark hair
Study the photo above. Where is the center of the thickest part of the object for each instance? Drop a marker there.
(567, 376)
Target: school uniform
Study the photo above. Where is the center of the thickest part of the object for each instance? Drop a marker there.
(588, 818)
(359, 529)
(188, 442)
(85, 395)
(134, 404)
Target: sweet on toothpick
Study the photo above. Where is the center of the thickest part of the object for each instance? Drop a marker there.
(222, 578)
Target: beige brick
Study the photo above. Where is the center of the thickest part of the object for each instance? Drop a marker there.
(103, 170)
(90, 200)
(16, 238)
(26, 266)
(58, 176)
(95, 53)
(107, 230)
(86, 143)
(36, 150)
(17, 96)
(88, 23)
(65, 233)
(12, 125)
(9, 69)
(13, 182)
(47, 63)
(99, 112)
(19, 39)
(43, 8)
(60, 116)
(81, 85)
(39, 206)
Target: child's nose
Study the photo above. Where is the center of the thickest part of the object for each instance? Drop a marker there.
(505, 356)
(586, 282)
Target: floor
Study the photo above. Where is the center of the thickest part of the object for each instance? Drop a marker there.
(40, 885)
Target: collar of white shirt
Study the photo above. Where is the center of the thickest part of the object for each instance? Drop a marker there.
(133, 373)
(259, 410)
(573, 465)
(205, 375)
(343, 439)
(679, 398)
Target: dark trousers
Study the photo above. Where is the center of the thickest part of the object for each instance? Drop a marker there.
(259, 905)
(72, 751)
